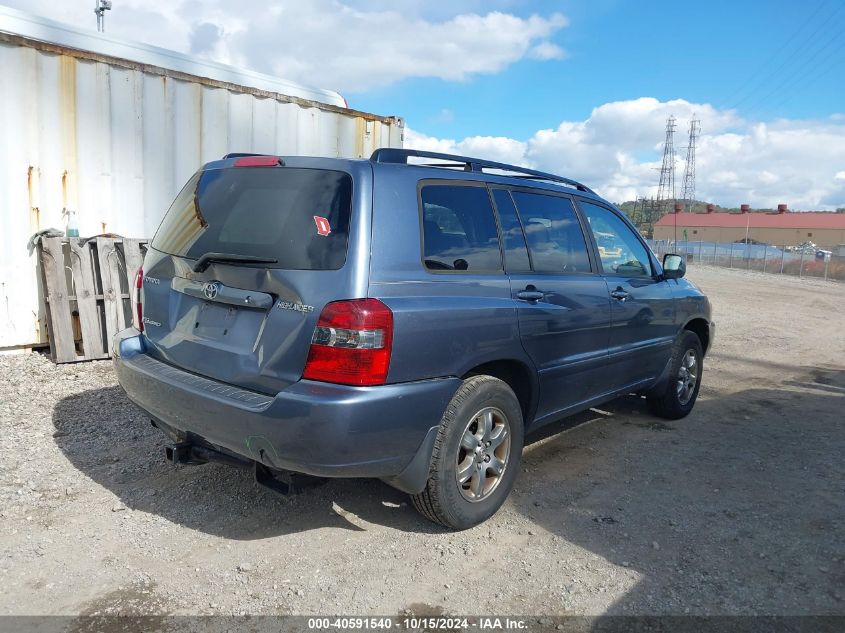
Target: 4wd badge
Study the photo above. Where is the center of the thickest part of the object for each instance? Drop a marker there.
(323, 226)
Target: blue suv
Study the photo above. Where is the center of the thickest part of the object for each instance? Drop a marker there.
(408, 317)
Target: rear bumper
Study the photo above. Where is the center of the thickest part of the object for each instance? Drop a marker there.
(310, 427)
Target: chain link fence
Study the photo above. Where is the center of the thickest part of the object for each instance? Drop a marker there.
(780, 260)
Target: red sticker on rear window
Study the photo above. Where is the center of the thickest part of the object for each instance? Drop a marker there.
(323, 226)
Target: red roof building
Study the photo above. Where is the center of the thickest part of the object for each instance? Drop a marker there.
(824, 228)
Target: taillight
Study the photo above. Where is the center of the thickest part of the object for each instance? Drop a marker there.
(351, 343)
(257, 161)
(138, 309)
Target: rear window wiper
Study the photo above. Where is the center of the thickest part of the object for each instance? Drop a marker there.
(229, 258)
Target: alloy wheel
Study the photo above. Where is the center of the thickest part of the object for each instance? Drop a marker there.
(483, 454)
(687, 377)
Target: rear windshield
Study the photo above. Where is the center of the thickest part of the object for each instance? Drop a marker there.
(299, 217)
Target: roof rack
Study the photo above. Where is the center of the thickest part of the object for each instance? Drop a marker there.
(478, 165)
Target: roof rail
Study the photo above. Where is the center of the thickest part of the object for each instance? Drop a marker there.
(400, 156)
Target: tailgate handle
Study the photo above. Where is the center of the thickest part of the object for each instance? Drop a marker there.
(218, 293)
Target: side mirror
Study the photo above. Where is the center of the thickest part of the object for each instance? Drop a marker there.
(674, 266)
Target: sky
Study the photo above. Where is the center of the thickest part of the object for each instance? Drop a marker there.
(578, 88)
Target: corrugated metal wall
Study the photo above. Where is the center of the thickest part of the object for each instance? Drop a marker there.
(114, 143)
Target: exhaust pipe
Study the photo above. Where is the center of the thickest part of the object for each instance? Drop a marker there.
(282, 482)
(285, 482)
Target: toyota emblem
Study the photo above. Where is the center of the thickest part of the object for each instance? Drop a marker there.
(211, 289)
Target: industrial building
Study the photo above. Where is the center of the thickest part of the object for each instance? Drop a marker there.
(784, 228)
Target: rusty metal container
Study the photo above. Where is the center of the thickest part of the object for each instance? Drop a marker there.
(103, 132)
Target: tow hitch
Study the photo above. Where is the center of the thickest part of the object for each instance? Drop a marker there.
(190, 453)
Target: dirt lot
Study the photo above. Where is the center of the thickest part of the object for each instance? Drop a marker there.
(740, 508)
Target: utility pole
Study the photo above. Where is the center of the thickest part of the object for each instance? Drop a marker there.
(100, 8)
(666, 184)
(689, 170)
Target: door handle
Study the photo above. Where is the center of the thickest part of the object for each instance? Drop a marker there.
(530, 295)
(620, 294)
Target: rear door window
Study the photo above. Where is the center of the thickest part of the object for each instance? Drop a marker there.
(516, 253)
(459, 229)
(553, 233)
(299, 217)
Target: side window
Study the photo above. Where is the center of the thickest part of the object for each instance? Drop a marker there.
(620, 251)
(459, 229)
(553, 232)
(516, 254)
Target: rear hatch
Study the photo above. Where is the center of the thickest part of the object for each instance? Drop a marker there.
(244, 261)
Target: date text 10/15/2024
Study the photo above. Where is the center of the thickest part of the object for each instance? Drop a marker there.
(417, 623)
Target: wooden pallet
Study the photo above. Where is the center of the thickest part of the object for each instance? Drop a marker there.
(87, 286)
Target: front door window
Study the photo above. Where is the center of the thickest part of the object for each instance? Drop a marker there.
(620, 251)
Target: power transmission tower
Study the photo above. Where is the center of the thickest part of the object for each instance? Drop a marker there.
(689, 171)
(646, 213)
(666, 185)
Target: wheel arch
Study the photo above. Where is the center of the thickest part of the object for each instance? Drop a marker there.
(519, 377)
(701, 328)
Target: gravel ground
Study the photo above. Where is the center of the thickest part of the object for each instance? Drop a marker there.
(738, 509)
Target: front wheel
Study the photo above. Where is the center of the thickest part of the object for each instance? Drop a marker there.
(476, 455)
(676, 399)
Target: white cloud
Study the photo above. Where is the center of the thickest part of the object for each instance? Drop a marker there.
(547, 50)
(330, 44)
(350, 45)
(497, 148)
(617, 151)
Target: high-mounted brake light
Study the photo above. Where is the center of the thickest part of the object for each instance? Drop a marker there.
(351, 343)
(258, 161)
(138, 311)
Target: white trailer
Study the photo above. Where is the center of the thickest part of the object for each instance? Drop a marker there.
(106, 131)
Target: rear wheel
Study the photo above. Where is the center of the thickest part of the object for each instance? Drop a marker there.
(677, 398)
(476, 455)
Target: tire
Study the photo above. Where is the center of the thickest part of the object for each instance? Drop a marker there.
(464, 426)
(677, 397)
